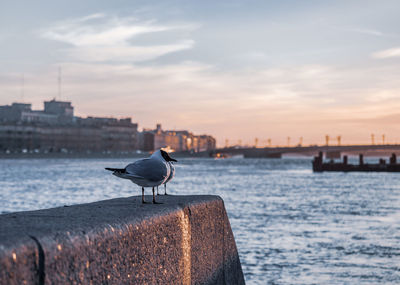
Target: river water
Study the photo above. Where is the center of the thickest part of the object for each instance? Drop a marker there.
(291, 226)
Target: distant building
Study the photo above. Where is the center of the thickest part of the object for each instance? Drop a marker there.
(55, 129)
(16, 112)
(63, 110)
(54, 112)
(151, 140)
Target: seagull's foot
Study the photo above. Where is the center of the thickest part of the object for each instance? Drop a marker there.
(166, 194)
(155, 202)
(144, 202)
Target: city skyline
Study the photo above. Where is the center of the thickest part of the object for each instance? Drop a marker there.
(57, 129)
(237, 71)
(375, 139)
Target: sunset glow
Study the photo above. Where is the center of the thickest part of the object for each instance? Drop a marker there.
(234, 70)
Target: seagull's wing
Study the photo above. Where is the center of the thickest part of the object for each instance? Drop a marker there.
(149, 169)
(172, 173)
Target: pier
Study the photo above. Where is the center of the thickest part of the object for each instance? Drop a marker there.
(185, 240)
(319, 165)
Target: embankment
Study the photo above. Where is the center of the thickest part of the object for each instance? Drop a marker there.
(185, 240)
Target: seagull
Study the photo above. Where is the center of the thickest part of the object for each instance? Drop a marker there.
(147, 172)
(171, 175)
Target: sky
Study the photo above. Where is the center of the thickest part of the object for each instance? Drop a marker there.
(237, 70)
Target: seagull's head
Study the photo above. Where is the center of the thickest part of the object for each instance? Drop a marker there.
(166, 156)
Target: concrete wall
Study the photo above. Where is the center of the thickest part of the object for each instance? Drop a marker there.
(185, 240)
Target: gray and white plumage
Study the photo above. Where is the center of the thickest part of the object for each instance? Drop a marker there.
(171, 175)
(172, 172)
(147, 172)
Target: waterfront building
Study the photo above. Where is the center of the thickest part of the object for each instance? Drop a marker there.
(56, 129)
(55, 112)
(63, 110)
(175, 140)
(22, 112)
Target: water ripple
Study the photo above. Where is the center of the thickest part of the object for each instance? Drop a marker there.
(291, 226)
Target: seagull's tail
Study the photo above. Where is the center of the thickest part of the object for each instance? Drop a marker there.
(122, 170)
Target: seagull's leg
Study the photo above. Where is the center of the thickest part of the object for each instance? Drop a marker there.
(143, 201)
(165, 189)
(154, 198)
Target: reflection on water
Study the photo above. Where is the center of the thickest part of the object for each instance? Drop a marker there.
(291, 226)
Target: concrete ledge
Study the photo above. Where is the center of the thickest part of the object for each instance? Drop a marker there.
(186, 240)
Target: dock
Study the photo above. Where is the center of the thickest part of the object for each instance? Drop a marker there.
(319, 165)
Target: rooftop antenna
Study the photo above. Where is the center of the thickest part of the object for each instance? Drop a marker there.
(59, 83)
(22, 87)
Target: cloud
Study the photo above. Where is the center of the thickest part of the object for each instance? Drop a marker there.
(126, 53)
(98, 37)
(307, 100)
(391, 119)
(387, 53)
(86, 32)
(363, 31)
(366, 31)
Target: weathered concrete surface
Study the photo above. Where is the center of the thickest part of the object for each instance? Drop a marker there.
(185, 240)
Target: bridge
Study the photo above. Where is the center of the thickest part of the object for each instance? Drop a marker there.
(330, 151)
